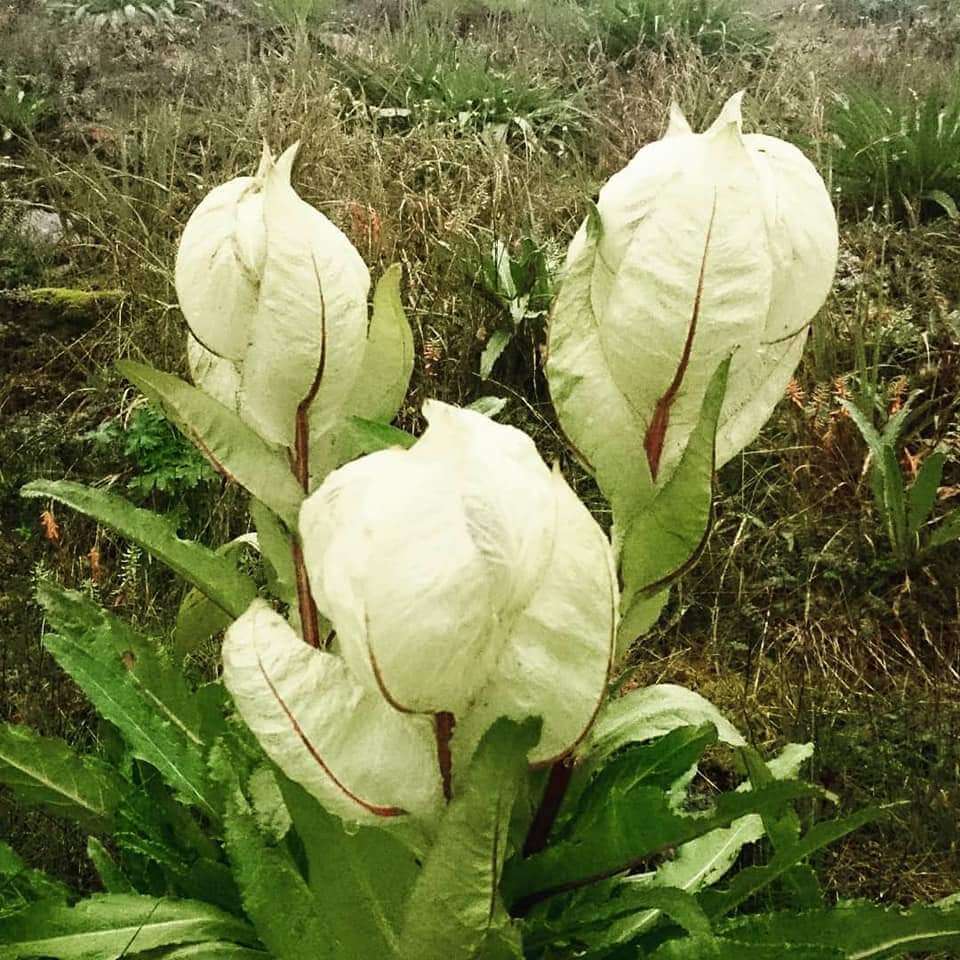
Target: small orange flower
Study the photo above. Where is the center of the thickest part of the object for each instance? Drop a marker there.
(51, 529)
(93, 558)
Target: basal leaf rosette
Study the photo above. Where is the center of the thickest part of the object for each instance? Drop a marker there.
(465, 581)
(276, 300)
(703, 246)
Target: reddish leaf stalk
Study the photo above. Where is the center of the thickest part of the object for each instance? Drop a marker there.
(550, 803)
(300, 464)
(443, 724)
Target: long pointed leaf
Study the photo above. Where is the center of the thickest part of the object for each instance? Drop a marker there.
(662, 537)
(234, 449)
(360, 878)
(281, 906)
(454, 908)
(113, 925)
(215, 576)
(922, 494)
(717, 903)
(103, 676)
(48, 773)
(862, 931)
(636, 826)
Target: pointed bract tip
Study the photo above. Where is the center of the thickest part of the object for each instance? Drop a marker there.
(284, 165)
(677, 125)
(729, 116)
(266, 161)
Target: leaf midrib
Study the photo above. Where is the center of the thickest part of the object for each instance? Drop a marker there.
(51, 785)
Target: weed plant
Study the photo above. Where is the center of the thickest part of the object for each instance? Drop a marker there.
(425, 79)
(898, 153)
(714, 26)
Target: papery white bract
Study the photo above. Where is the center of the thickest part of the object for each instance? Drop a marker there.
(267, 283)
(462, 577)
(346, 745)
(705, 245)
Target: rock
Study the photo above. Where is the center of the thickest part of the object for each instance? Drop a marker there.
(41, 226)
(64, 313)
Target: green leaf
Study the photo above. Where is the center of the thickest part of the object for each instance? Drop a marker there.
(945, 202)
(214, 951)
(488, 406)
(157, 736)
(198, 617)
(498, 342)
(454, 909)
(288, 919)
(947, 531)
(783, 832)
(360, 878)
(895, 500)
(859, 931)
(647, 713)
(215, 576)
(867, 430)
(111, 876)
(47, 773)
(384, 376)
(712, 948)
(658, 764)
(276, 549)
(114, 925)
(161, 683)
(644, 613)
(660, 537)
(590, 919)
(20, 885)
(234, 449)
(371, 436)
(702, 862)
(635, 825)
(752, 880)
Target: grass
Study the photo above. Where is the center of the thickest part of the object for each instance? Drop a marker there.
(793, 620)
(466, 87)
(714, 26)
(899, 152)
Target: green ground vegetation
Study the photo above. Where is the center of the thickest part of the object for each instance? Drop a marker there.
(454, 136)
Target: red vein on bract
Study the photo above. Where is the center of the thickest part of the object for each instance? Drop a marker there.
(377, 810)
(302, 428)
(377, 675)
(309, 617)
(443, 721)
(657, 431)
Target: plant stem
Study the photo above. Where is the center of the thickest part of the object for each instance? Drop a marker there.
(309, 618)
(300, 465)
(553, 794)
(443, 723)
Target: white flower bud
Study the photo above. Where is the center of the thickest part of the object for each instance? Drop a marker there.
(708, 244)
(268, 283)
(463, 577)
